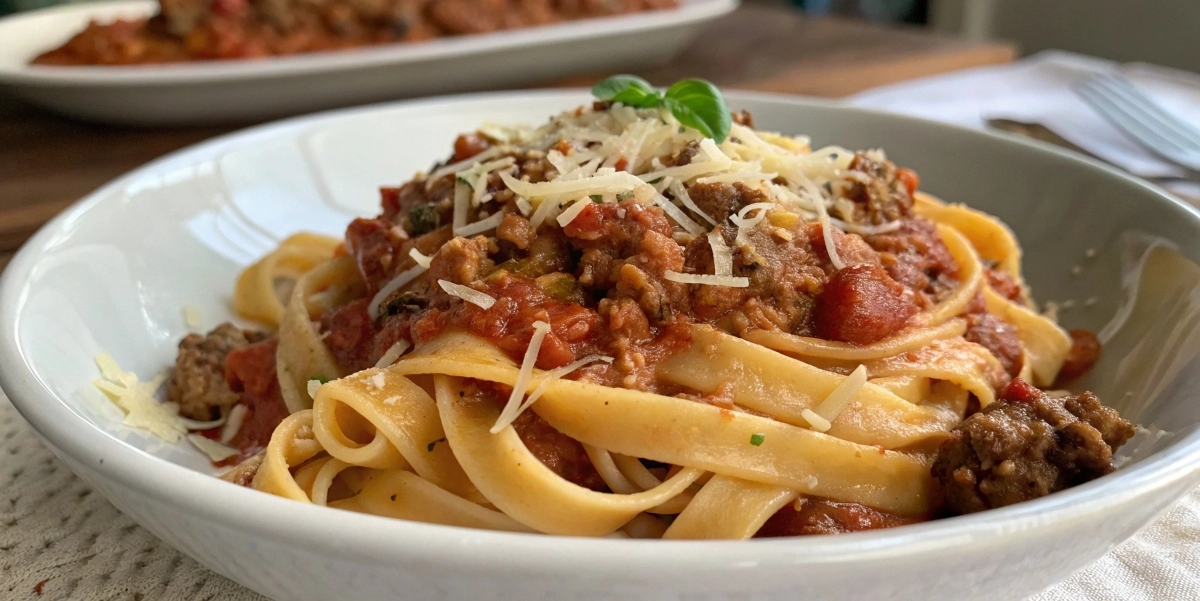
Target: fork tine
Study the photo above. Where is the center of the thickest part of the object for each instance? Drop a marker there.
(1128, 90)
(1128, 122)
(1122, 92)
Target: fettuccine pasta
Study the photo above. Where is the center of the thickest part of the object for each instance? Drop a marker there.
(614, 325)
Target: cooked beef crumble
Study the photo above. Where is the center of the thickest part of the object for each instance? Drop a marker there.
(1027, 445)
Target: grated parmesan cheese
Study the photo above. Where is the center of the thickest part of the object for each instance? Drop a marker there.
(392, 354)
(557, 374)
(815, 422)
(839, 398)
(483, 225)
(395, 284)
(137, 400)
(215, 450)
(722, 256)
(421, 259)
(468, 294)
(377, 380)
(237, 415)
(313, 387)
(681, 194)
(192, 318)
(455, 168)
(512, 408)
(523, 206)
(706, 280)
(573, 211)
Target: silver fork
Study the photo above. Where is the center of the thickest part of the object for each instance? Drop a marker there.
(1148, 123)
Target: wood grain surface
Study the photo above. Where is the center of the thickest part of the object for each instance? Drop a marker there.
(47, 162)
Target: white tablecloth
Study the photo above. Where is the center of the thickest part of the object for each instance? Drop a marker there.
(56, 534)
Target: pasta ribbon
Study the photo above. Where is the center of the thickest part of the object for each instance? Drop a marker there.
(302, 354)
(729, 508)
(518, 484)
(783, 387)
(257, 295)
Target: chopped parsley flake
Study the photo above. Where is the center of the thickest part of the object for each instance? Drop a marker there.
(596, 198)
(757, 439)
(624, 196)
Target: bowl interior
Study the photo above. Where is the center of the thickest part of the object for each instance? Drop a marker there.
(115, 272)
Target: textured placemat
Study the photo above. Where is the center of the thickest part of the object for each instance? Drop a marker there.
(59, 540)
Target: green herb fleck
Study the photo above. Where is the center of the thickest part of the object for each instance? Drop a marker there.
(462, 180)
(321, 379)
(429, 447)
(423, 218)
(696, 103)
(655, 180)
(596, 197)
(757, 439)
(624, 196)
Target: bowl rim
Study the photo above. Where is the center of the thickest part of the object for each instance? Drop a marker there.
(689, 12)
(374, 539)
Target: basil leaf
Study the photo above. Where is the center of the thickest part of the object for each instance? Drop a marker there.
(629, 90)
(699, 105)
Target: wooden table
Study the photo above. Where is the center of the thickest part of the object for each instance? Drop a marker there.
(48, 162)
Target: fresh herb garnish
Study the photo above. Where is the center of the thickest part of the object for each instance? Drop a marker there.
(462, 180)
(757, 439)
(321, 379)
(624, 196)
(429, 447)
(596, 197)
(655, 180)
(696, 103)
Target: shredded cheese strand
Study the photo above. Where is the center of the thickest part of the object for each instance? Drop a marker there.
(837, 400)
(393, 353)
(237, 416)
(512, 407)
(573, 211)
(421, 259)
(556, 374)
(706, 280)
(395, 284)
(722, 256)
(681, 194)
(483, 225)
(464, 164)
(468, 294)
(816, 422)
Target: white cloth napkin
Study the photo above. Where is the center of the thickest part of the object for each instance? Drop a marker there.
(1161, 563)
(1038, 90)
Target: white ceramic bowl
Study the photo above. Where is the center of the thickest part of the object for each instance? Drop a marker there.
(254, 90)
(113, 272)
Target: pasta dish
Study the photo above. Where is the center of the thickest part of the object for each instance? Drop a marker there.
(648, 318)
(198, 30)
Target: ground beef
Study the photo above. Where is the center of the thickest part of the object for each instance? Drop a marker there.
(243, 473)
(1027, 445)
(884, 197)
(1085, 351)
(516, 231)
(999, 337)
(862, 304)
(817, 515)
(461, 261)
(197, 383)
(719, 201)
